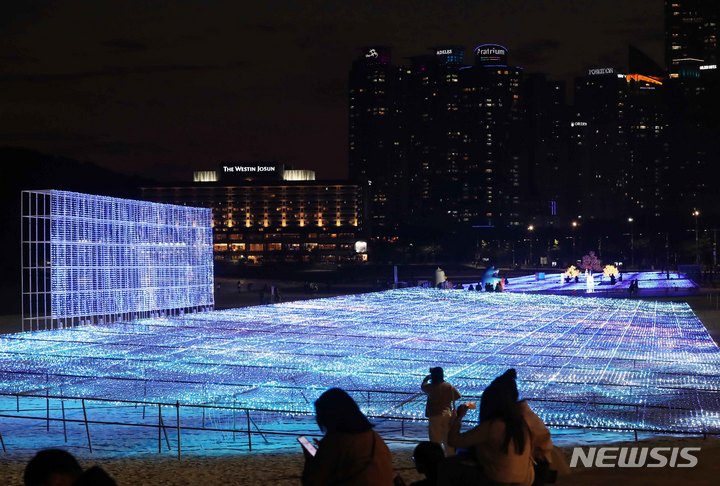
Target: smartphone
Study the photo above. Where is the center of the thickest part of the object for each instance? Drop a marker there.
(307, 445)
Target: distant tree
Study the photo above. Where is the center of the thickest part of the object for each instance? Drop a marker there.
(591, 262)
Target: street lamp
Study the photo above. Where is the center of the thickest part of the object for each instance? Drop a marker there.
(632, 243)
(531, 228)
(574, 226)
(696, 214)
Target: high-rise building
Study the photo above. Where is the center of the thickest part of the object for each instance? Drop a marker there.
(436, 140)
(439, 141)
(693, 94)
(546, 130)
(377, 159)
(691, 34)
(619, 152)
(491, 110)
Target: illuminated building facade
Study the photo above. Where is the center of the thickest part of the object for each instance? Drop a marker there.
(266, 221)
(491, 106)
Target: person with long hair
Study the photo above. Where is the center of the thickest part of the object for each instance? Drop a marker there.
(351, 452)
(508, 438)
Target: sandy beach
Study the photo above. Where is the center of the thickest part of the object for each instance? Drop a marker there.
(285, 468)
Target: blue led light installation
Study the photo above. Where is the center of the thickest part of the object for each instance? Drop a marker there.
(589, 362)
(113, 259)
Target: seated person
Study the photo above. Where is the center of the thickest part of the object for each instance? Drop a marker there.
(428, 456)
(505, 442)
(351, 452)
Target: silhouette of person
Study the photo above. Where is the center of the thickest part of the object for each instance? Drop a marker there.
(350, 452)
(52, 467)
(440, 407)
(509, 437)
(427, 457)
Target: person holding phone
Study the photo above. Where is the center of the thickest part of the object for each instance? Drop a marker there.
(350, 452)
(440, 407)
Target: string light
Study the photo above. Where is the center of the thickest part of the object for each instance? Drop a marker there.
(110, 257)
(591, 362)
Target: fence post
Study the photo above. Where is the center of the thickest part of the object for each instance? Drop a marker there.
(87, 428)
(247, 413)
(159, 429)
(62, 406)
(177, 414)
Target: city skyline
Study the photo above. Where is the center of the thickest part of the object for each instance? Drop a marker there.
(160, 91)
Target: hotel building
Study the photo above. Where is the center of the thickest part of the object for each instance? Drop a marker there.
(263, 213)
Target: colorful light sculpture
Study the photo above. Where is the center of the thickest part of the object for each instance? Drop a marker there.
(657, 283)
(590, 362)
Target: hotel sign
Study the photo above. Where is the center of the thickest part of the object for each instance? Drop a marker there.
(491, 55)
(249, 170)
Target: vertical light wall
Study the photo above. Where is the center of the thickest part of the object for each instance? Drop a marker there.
(93, 259)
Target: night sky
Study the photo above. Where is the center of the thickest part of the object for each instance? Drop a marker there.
(160, 88)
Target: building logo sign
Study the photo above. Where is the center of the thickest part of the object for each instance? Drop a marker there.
(599, 71)
(248, 168)
(443, 52)
(491, 55)
(245, 170)
(372, 53)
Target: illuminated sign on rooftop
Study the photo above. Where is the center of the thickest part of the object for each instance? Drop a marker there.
(491, 55)
(599, 71)
(250, 170)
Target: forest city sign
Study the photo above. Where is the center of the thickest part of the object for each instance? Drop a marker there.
(597, 71)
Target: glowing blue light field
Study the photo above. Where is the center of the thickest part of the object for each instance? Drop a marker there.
(598, 363)
(649, 283)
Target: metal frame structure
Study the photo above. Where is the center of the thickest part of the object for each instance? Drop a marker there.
(93, 259)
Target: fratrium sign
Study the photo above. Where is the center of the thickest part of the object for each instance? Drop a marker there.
(491, 55)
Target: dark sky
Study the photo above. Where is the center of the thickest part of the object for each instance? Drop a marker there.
(161, 88)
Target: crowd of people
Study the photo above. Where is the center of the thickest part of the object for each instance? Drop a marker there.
(509, 446)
